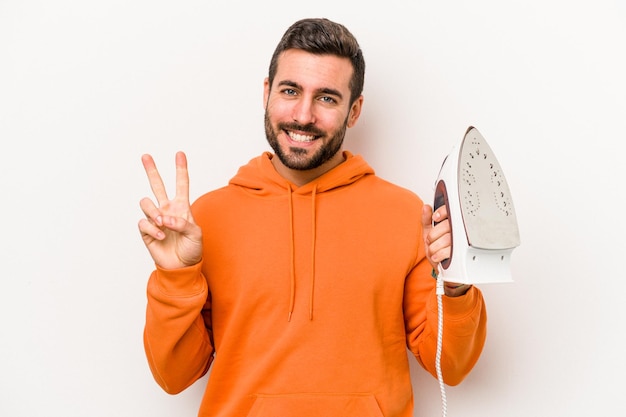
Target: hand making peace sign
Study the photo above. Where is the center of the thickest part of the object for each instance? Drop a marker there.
(169, 231)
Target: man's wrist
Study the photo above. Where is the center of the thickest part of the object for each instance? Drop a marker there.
(456, 290)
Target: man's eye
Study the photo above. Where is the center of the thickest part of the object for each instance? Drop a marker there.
(289, 92)
(327, 99)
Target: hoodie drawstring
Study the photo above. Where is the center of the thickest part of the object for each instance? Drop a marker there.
(292, 295)
(313, 230)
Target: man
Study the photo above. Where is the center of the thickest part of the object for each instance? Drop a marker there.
(302, 282)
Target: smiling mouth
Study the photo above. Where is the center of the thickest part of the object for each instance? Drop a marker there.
(297, 137)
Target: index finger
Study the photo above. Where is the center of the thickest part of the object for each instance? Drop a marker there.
(182, 176)
(440, 214)
(156, 183)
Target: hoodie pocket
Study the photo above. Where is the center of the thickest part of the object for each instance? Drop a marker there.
(315, 405)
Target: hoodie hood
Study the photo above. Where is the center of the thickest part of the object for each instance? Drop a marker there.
(260, 178)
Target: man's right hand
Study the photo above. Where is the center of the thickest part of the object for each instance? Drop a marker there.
(169, 231)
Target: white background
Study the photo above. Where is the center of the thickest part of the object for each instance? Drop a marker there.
(87, 87)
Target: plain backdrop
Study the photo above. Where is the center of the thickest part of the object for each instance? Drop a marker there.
(87, 87)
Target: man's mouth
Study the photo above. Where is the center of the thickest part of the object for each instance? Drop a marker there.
(297, 137)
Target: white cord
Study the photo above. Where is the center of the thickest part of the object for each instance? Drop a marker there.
(442, 387)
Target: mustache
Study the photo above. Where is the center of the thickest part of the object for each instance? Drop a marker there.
(308, 128)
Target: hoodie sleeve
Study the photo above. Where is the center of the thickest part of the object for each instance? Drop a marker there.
(177, 337)
(464, 328)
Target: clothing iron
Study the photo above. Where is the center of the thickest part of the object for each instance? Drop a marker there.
(472, 186)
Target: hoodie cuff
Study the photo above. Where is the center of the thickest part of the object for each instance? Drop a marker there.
(181, 282)
(464, 305)
(458, 308)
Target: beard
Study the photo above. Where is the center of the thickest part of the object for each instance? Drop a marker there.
(298, 158)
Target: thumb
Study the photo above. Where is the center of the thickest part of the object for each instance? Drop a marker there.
(427, 226)
(427, 219)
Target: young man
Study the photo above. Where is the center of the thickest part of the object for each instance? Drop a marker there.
(302, 282)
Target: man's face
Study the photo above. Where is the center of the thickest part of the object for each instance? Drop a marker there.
(307, 109)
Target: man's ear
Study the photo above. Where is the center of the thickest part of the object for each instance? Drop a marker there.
(355, 111)
(266, 91)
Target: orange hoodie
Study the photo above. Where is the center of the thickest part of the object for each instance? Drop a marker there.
(306, 300)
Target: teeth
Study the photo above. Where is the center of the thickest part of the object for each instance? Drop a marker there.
(300, 138)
